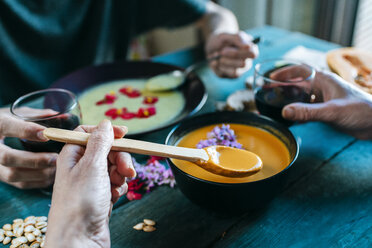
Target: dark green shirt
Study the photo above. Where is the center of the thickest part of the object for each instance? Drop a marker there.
(42, 40)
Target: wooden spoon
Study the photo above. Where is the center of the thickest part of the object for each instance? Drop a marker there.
(219, 160)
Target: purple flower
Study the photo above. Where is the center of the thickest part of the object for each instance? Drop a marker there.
(223, 136)
(154, 174)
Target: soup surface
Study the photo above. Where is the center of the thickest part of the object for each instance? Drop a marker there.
(168, 106)
(274, 154)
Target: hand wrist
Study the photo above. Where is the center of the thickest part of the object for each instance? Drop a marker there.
(63, 228)
(68, 227)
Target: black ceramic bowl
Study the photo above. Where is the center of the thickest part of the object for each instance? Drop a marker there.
(193, 89)
(229, 196)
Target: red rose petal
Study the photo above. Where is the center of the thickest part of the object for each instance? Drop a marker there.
(128, 116)
(154, 158)
(146, 112)
(111, 112)
(130, 92)
(109, 98)
(100, 102)
(131, 195)
(150, 100)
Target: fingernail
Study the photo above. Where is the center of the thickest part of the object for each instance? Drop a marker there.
(288, 113)
(105, 124)
(53, 161)
(134, 172)
(40, 136)
(125, 129)
(121, 190)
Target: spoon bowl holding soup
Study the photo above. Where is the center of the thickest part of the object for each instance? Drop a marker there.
(272, 142)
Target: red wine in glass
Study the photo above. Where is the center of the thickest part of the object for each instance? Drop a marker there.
(272, 95)
(56, 108)
(270, 102)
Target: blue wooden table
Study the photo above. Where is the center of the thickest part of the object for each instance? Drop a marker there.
(326, 204)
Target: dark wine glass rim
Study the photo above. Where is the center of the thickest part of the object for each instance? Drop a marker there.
(312, 74)
(235, 184)
(16, 102)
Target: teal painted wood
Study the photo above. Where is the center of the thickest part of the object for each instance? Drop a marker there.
(179, 222)
(182, 224)
(328, 208)
(16, 203)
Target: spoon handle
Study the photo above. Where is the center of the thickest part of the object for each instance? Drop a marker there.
(130, 145)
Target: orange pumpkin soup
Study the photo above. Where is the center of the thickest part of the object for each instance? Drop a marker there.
(273, 152)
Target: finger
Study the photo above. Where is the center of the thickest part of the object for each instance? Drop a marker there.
(29, 175)
(15, 158)
(290, 72)
(116, 178)
(32, 185)
(117, 192)
(213, 55)
(229, 62)
(34, 113)
(310, 112)
(214, 67)
(237, 40)
(235, 53)
(70, 156)
(228, 71)
(124, 163)
(99, 144)
(13, 127)
(119, 131)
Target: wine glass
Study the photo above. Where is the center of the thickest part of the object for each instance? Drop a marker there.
(279, 82)
(57, 108)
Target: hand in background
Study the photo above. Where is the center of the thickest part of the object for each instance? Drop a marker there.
(339, 103)
(24, 169)
(88, 181)
(236, 52)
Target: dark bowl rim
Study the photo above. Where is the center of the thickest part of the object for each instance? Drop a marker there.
(235, 184)
(167, 125)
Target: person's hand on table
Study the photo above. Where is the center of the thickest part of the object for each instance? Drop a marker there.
(24, 169)
(88, 181)
(338, 103)
(235, 52)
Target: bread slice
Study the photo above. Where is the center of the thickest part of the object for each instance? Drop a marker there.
(354, 65)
